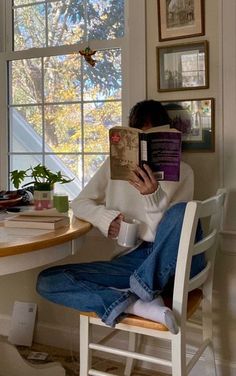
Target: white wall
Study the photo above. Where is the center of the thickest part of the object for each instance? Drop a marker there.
(225, 275)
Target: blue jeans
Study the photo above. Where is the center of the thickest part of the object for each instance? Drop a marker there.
(109, 287)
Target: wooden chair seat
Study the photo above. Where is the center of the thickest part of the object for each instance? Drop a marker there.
(194, 301)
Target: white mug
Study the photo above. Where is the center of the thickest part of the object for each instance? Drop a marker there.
(129, 232)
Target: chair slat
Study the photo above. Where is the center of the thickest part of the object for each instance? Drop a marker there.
(200, 278)
(205, 243)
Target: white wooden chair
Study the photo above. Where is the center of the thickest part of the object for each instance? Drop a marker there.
(188, 295)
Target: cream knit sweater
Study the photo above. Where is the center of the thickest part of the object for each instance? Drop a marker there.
(103, 199)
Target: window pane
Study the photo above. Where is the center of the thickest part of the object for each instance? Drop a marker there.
(62, 81)
(22, 162)
(26, 85)
(91, 165)
(103, 81)
(26, 129)
(63, 128)
(98, 118)
(69, 165)
(105, 19)
(29, 27)
(65, 22)
(83, 21)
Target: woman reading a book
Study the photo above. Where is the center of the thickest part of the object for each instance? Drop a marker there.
(133, 280)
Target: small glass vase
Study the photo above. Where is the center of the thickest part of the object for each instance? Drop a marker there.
(43, 196)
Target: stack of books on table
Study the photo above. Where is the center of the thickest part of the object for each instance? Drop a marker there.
(40, 220)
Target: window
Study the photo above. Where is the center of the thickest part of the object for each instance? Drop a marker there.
(60, 107)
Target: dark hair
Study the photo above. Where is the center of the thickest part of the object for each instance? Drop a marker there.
(148, 111)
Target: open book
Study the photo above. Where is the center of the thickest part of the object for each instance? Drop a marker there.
(159, 147)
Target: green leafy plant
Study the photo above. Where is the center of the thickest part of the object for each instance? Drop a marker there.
(39, 174)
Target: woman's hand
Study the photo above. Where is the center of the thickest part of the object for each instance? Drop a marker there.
(114, 228)
(144, 180)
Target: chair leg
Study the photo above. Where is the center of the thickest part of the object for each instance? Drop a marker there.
(210, 364)
(85, 358)
(207, 331)
(178, 350)
(129, 365)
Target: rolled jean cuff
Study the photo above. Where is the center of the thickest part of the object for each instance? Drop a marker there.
(117, 308)
(138, 287)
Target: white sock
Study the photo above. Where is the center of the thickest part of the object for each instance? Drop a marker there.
(155, 311)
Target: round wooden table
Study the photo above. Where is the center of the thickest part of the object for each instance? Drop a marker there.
(24, 249)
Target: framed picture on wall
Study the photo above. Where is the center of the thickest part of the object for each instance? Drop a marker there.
(195, 118)
(183, 66)
(180, 19)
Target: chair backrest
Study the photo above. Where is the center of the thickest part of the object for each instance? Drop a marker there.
(212, 209)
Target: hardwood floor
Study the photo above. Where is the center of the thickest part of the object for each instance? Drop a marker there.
(70, 361)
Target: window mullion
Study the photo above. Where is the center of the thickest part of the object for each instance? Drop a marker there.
(46, 24)
(66, 49)
(82, 119)
(8, 47)
(43, 113)
(3, 129)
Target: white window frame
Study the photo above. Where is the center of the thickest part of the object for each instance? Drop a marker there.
(133, 47)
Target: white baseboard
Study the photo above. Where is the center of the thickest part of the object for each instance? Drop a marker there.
(68, 338)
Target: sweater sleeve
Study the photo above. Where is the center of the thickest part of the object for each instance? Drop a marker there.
(90, 203)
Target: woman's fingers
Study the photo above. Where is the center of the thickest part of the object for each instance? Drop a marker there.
(144, 180)
(114, 228)
(150, 173)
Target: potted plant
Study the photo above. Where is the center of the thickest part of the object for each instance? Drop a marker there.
(43, 180)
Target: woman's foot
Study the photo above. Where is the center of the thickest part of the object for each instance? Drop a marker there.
(155, 311)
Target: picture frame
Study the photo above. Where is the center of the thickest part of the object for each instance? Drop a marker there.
(195, 118)
(183, 66)
(180, 19)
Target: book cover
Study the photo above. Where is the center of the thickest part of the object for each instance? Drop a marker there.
(40, 222)
(159, 147)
